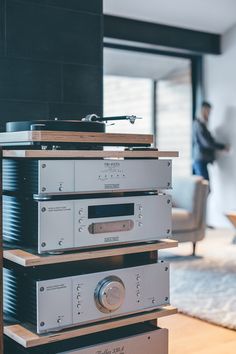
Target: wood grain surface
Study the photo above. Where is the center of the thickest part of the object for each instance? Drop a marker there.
(75, 137)
(29, 259)
(190, 335)
(25, 335)
(44, 154)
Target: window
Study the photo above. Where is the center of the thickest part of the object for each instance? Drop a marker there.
(128, 96)
(174, 123)
(166, 111)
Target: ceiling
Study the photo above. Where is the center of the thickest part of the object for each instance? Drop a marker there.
(121, 62)
(215, 16)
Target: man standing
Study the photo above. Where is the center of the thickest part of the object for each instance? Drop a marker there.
(204, 145)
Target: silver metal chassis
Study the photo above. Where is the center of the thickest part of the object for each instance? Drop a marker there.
(64, 224)
(153, 342)
(70, 301)
(93, 176)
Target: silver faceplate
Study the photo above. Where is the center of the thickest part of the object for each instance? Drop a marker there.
(64, 224)
(154, 342)
(91, 176)
(70, 301)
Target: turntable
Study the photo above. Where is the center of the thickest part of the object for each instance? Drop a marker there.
(88, 133)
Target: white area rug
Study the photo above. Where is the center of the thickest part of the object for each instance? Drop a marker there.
(205, 286)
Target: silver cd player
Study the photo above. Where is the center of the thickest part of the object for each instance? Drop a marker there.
(59, 225)
(85, 176)
(54, 304)
(154, 342)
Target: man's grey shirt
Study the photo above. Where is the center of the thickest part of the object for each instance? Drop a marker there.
(204, 145)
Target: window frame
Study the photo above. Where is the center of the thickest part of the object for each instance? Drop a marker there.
(197, 74)
(196, 61)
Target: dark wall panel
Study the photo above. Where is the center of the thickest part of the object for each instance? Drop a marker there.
(51, 55)
(17, 110)
(53, 34)
(2, 26)
(82, 84)
(72, 110)
(94, 6)
(29, 80)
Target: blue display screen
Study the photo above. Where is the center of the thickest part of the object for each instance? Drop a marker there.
(110, 210)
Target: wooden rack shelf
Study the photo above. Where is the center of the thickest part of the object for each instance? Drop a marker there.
(26, 336)
(44, 154)
(29, 259)
(45, 136)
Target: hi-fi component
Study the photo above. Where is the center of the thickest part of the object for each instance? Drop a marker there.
(58, 225)
(90, 123)
(138, 339)
(147, 343)
(54, 304)
(56, 125)
(33, 176)
(83, 134)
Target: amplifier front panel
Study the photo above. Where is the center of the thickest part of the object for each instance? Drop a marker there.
(55, 225)
(56, 176)
(93, 296)
(122, 175)
(154, 342)
(98, 222)
(71, 176)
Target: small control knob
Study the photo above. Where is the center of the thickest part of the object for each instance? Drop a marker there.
(80, 211)
(140, 207)
(109, 294)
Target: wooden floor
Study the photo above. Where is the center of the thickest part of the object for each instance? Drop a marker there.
(192, 336)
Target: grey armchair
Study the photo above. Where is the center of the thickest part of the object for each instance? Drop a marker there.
(189, 209)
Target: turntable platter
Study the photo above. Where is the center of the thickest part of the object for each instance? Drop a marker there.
(56, 125)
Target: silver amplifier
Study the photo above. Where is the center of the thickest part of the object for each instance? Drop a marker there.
(81, 176)
(127, 340)
(68, 301)
(55, 225)
(154, 342)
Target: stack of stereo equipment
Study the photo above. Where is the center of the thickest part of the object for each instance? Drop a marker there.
(54, 206)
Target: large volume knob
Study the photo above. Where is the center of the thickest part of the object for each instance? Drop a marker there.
(110, 294)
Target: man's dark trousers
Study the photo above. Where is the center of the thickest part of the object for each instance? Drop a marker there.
(200, 169)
